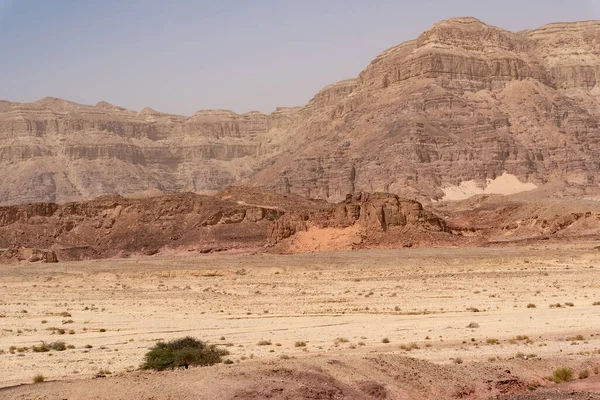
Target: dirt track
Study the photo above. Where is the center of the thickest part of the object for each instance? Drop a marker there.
(419, 298)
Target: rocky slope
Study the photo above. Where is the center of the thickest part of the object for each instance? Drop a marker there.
(465, 101)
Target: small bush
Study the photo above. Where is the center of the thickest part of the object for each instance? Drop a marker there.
(385, 340)
(39, 378)
(473, 325)
(181, 353)
(584, 374)
(492, 341)
(530, 305)
(228, 362)
(341, 340)
(458, 360)
(473, 309)
(563, 374)
(300, 344)
(596, 303)
(409, 347)
(265, 343)
(43, 348)
(58, 346)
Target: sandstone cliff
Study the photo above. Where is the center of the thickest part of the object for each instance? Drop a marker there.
(464, 102)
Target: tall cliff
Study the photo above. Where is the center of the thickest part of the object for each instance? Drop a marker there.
(465, 101)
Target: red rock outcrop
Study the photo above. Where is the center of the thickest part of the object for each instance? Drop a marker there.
(375, 212)
(113, 226)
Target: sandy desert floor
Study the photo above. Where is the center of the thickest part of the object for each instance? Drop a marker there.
(480, 306)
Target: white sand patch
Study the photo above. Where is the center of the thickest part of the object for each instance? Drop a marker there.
(505, 184)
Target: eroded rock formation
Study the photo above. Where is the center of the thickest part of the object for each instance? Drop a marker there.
(465, 101)
(374, 212)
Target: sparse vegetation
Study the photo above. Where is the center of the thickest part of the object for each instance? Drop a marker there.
(181, 353)
(43, 348)
(385, 340)
(530, 305)
(563, 374)
(39, 378)
(584, 374)
(300, 344)
(58, 346)
(409, 347)
(458, 360)
(575, 338)
(492, 341)
(264, 343)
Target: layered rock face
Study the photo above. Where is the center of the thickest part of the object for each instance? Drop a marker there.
(57, 151)
(463, 102)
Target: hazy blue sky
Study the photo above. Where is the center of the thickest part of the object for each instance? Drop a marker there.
(182, 56)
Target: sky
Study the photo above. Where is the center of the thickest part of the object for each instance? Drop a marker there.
(181, 56)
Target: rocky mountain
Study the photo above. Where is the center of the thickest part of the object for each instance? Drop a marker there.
(461, 106)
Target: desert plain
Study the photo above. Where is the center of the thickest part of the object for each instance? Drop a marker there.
(459, 323)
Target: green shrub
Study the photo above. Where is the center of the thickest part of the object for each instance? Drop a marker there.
(38, 378)
(181, 353)
(563, 374)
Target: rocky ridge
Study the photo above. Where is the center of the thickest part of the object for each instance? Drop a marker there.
(236, 219)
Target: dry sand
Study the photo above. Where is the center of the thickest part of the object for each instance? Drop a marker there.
(505, 184)
(423, 296)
